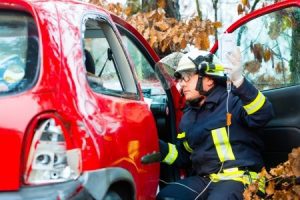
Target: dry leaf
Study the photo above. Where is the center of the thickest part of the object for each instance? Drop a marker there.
(279, 68)
(252, 66)
(296, 190)
(270, 189)
(258, 51)
(294, 158)
(165, 45)
(197, 42)
(205, 42)
(247, 195)
(128, 11)
(264, 173)
(161, 26)
(153, 38)
(282, 185)
(240, 9)
(267, 54)
(175, 39)
(183, 43)
(217, 24)
(277, 171)
(161, 3)
(167, 34)
(245, 2)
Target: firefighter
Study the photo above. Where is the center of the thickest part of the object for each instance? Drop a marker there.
(218, 133)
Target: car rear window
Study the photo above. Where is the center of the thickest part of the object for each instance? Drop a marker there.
(18, 52)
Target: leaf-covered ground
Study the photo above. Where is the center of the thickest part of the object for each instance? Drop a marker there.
(282, 182)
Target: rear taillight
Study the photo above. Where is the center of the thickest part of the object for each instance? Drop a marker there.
(49, 160)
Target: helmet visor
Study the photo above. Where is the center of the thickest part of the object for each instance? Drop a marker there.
(166, 67)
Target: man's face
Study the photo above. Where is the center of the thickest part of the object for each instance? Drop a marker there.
(188, 83)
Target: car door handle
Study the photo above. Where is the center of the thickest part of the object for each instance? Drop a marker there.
(151, 158)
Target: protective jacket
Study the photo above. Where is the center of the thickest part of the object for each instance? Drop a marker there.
(209, 144)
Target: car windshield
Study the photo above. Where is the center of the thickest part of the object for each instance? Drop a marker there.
(18, 52)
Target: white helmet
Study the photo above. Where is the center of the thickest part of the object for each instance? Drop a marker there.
(203, 62)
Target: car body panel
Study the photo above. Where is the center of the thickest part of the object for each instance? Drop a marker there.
(116, 135)
(109, 131)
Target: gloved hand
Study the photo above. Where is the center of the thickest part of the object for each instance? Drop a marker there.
(164, 149)
(235, 70)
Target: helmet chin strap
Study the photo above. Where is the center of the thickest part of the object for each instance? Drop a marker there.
(199, 87)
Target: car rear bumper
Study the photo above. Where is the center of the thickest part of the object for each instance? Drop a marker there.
(65, 190)
(91, 185)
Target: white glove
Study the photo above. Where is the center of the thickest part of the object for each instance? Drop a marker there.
(235, 70)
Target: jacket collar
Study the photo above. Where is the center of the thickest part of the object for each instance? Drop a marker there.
(215, 96)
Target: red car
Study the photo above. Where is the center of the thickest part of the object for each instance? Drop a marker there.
(82, 106)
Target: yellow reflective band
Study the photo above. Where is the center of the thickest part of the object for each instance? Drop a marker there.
(254, 177)
(236, 175)
(256, 104)
(234, 169)
(222, 144)
(172, 155)
(219, 68)
(187, 147)
(181, 135)
(241, 176)
(214, 68)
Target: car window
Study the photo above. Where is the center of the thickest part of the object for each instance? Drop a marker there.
(147, 77)
(270, 46)
(108, 70)
(150, 84)
(18, 52)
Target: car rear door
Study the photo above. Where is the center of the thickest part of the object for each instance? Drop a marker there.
(269, 39)
(123, 122)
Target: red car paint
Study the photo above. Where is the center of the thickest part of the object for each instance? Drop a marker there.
(113, 133)
(109, 131)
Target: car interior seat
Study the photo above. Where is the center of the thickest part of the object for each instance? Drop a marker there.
(93, 80)
(89, 62)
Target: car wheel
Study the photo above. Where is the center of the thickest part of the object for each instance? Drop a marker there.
(112, 195)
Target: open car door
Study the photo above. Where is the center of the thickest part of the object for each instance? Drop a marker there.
(269, 39)
(158, 86)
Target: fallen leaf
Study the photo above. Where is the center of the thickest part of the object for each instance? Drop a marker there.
(270, 189)
(161, 26)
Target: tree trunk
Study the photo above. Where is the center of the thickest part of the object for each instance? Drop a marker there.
(172, 9)
(215, 6)
(198, 10)
(295, 61)
(148, 5)
(134, 5)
